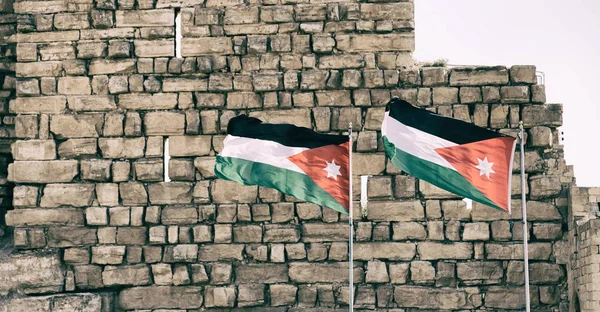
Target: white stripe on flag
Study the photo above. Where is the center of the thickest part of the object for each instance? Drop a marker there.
(414, 141)
(262, 151)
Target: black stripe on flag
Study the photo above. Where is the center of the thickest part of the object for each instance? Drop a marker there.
(285, 134)
(450, 129)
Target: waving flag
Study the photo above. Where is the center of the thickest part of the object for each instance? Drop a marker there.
(454, 155)
(296, 161)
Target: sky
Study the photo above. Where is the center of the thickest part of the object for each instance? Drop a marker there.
(560, 37)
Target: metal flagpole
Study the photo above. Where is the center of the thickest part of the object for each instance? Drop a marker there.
(524, 208)
(350, 247)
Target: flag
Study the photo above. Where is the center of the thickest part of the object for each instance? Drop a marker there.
(297, 161)
(454, 155)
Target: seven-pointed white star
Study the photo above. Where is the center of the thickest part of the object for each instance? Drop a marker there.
(332, 169)
(485, 167)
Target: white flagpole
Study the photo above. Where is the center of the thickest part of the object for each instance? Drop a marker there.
(350, 247)
(524, 208)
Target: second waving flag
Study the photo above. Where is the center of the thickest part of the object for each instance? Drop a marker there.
(454, 155)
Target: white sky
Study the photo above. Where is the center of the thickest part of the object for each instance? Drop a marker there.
(559, 37)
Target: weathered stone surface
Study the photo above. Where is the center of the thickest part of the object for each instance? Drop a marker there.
(374, 43)
(281, 233)
(224, 191)
(50, 217)
(76, 126)
(42, 171)
(38, 273)
(261, 273)
(37, 105)
(396, 211)
(91, 103)
(157, 297)
(427, 298)
(335, 272)
(106, 66)
(164, 123)
(390, 251)
(206, 46)
(185, 146)
(169, 193)
(542, 115)
(145, 18)
(220, 252)
(135, 275)
(478, 76)
(298, 117)
(122, 147)
(71, 236)
(133, 194)
(34, 150)
(544, 186)
(435, 251)
(144, 101)
(321, 232)
(486, 271)
(75, 195)
(179, 215)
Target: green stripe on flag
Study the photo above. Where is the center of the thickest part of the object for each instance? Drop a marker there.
(286, 181)
(445, 178)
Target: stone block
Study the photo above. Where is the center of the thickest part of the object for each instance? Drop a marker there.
(161, 297)
(523, 74)
(436, 251)
(127, 275)
(37, 105)
(334, 272)
(78, 148)
(75, 195)
(34, 150)
(48, 217)
(544, 186)
(38, 273)
(384, 250)
(164, 123)
(107, 66)
(76, 126)
(300, 117)
(170, 193)
(108, 254)
(186, 146)
(396, 211)
(122, 147)
(131, 235)
(322, 232)
(477, 76)
(206, 46)
(479, 231)
(542, 115)
(224, 191)
(71, 236)
(540, 136)
(445, 96)
(145, 18)
(43, 171)
(145, 101)
(220, 252)
(375, 42)
(427, 298)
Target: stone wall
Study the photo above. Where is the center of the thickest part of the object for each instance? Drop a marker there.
(99, 90)
(584, 242)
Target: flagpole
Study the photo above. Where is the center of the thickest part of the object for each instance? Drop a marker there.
(350, 247)
(524, 208)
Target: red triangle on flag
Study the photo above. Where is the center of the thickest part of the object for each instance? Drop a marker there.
(328, 167)
(486, 165)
